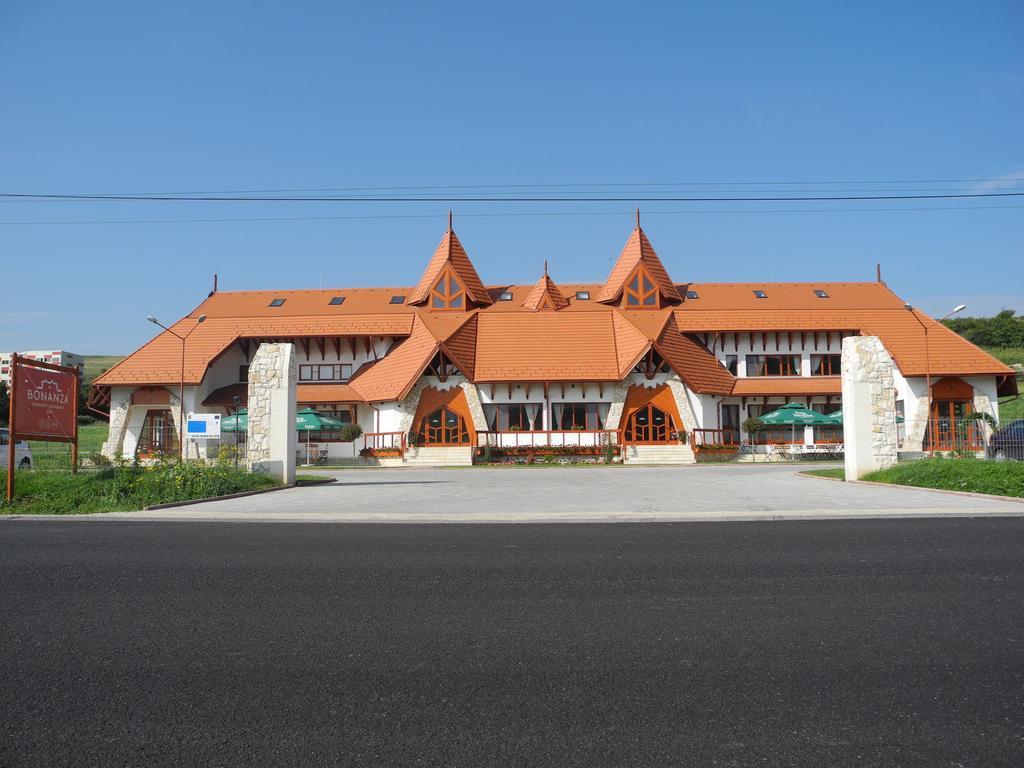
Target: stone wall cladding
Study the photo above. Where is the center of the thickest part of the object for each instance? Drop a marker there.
(475, 408)
(679, 393)
(113, 446)
(272, 368)
(865, 361)
(619, 390)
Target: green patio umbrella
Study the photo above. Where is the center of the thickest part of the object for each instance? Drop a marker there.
(795, 415)
(837, 418)
(239, 422)
(310, 420)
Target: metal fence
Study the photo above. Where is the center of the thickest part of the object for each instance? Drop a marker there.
(973, 436)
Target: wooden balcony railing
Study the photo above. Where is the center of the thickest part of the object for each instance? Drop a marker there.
(384, 443)
(699, 437)
(578, 438)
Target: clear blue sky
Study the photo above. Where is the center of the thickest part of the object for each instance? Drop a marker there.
(197, 97)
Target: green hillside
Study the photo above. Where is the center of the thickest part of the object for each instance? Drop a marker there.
(97, 364)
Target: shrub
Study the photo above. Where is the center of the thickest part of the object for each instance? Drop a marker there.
(349, 433)
(128, 487)
(98, 460)
(752, 426)
(999, 478)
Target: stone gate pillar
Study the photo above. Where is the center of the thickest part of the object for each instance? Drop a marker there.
(869, 406)
(271, 438)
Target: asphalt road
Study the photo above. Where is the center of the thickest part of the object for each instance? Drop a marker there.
(858, 642)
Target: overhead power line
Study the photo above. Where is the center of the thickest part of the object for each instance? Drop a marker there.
(457, 199)
(256, 219)
(590, 185)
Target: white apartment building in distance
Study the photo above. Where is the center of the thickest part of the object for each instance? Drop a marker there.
(55, 356)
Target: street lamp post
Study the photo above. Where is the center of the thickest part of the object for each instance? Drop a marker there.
(927, 353)
(181, 380)
(238, 402)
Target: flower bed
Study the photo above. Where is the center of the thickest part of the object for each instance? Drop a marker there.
(380, 453)
(712, 452)
(543, 450)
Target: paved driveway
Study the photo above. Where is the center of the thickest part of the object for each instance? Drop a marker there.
(524, 494)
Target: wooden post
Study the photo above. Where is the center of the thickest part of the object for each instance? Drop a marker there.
(74, 410)
(10, 429)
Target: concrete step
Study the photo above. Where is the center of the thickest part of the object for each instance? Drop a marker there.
(660, 454)
(455, 456)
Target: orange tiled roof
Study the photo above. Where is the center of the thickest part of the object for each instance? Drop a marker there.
(693, 362)
(542, 346)
(630, 343)
(305, 393)
(585, 340)
(638, 249)
(788, 385)
(327, 393)
(461, 345)
(159, 360)
(392, 377)
(545, 295)
(450, 251)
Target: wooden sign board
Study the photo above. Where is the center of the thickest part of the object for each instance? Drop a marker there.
(44, 406)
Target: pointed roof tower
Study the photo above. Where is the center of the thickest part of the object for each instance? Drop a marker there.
(545, 294)
(638, 251)
(450, 254)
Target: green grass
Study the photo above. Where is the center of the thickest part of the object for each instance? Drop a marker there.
(47, 455)
(1013, 409)
(96, 364)
(1008, 355)
(124, 489)
(1005, 478)
(836, 472)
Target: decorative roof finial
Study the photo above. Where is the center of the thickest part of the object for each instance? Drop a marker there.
(545, 267)
(449, 219)
(638, 217)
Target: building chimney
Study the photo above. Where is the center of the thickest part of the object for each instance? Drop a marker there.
(214, 285)
(878, 272)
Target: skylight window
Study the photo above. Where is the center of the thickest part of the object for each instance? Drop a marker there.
(582, 295)
(277, 302)
(505, 296)
(760, 294)
(336, 300)
(398, 299)
(692, 295)
(820, 293)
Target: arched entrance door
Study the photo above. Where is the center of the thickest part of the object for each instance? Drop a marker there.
(444, 427)
(648, 424)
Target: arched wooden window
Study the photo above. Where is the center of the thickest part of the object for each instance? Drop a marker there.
(444, 427)
(647, 425)
(448, 292)
(641, 292)
(157, 436)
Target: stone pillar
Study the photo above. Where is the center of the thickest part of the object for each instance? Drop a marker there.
(113, 446)
(271, 439)
(475, 409)
(869, 406)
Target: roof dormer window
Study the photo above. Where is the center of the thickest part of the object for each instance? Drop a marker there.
(760, 294)
(448, 292)
(640, 291)
(336, 300)
(277, 302)
(820, 293)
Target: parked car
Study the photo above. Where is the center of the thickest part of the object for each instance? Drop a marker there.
(22, 452)
(1008, 442)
